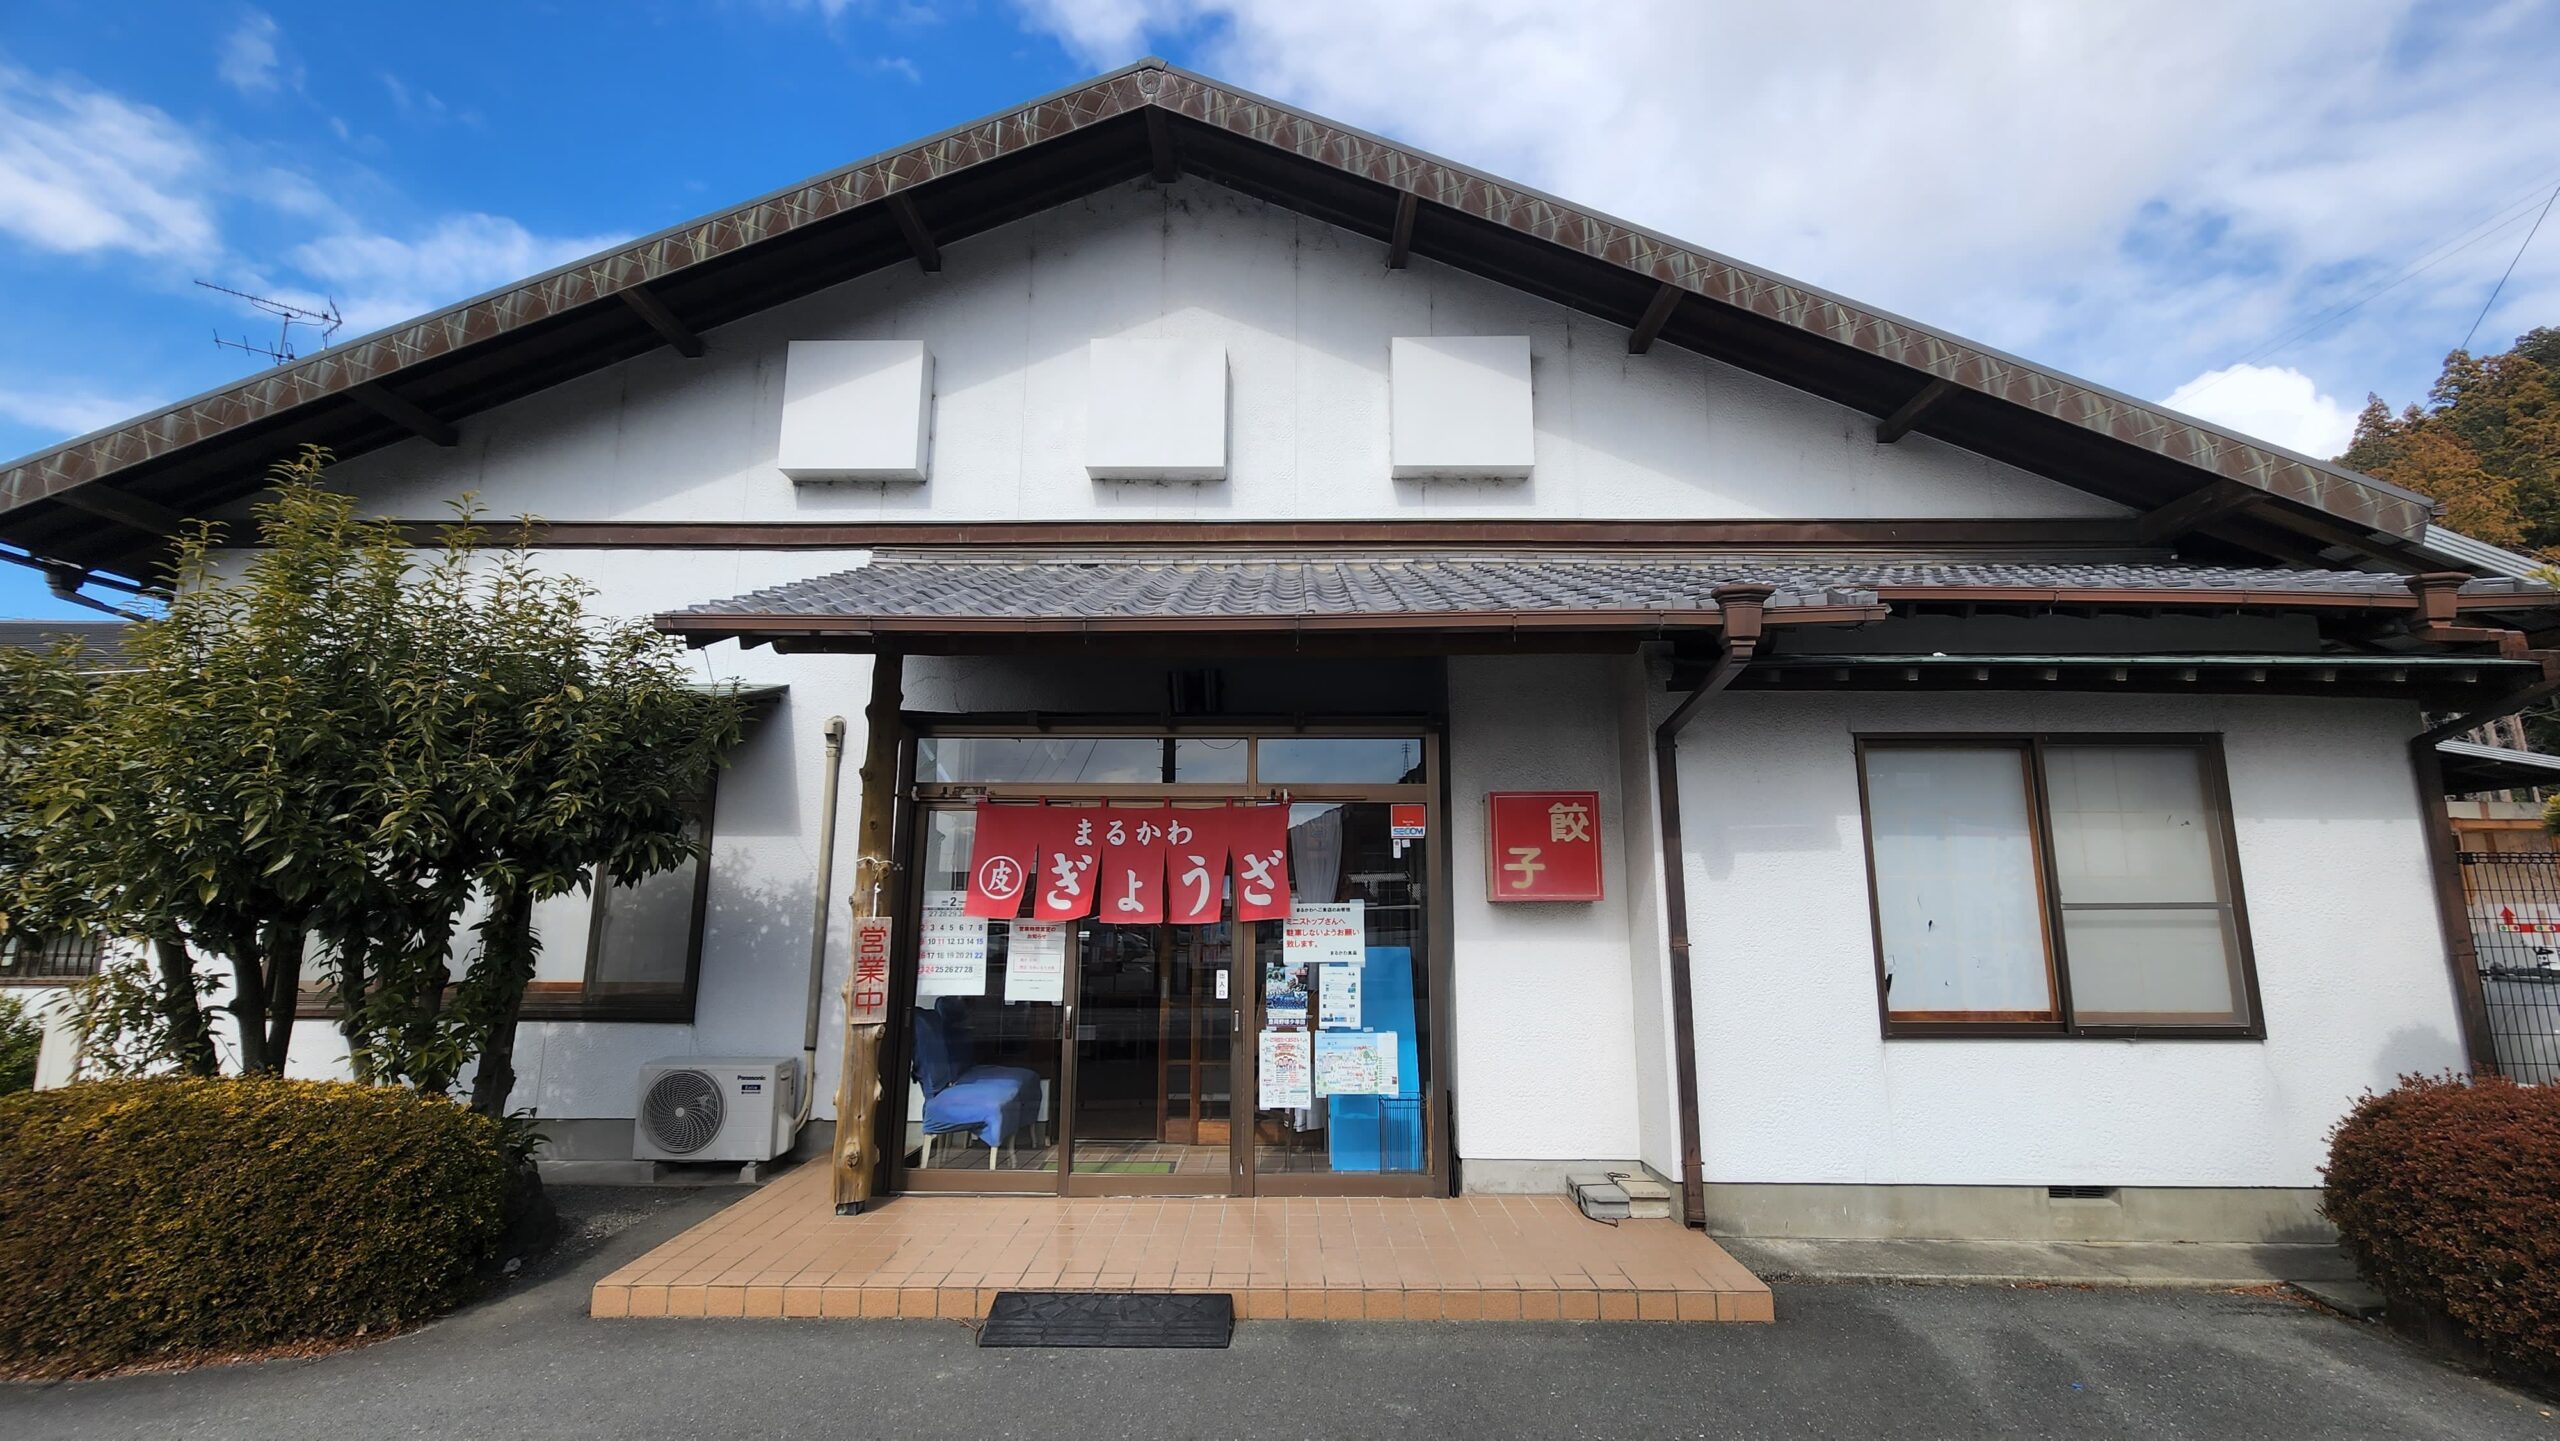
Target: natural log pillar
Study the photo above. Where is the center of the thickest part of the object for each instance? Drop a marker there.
(858, 1089)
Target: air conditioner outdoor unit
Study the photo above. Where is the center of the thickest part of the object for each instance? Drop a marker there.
(717, 1108)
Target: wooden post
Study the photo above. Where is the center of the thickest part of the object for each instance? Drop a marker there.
(858, 1089)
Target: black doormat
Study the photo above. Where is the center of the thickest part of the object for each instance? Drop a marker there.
(1162, 1319)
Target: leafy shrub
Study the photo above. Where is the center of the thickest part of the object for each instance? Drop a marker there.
(21, 1039)
(166, 1218)
(2447, 1193)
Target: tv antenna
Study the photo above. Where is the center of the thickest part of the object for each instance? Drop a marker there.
(287, 317)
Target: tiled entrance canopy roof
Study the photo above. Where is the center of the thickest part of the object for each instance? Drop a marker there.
(105, 500)
(925, 591)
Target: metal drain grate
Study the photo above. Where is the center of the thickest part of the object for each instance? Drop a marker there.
(1150, 1319)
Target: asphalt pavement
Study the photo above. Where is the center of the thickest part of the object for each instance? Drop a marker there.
(1843, 1360)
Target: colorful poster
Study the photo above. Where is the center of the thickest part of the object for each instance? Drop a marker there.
(951, 948)
(1035, 962)
(1286, 1080)
(1284, 995)
(1355, 1063)
(1338, 996)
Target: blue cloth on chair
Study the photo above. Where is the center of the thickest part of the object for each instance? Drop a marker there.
(994, 1101)
(991, 1107)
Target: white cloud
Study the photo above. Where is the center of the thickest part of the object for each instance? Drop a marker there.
(248, 61)
(2273, 403)
(69, 412)
(2136, 190)
(83, 171)
(380, 279)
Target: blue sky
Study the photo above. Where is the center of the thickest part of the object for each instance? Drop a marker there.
(2319, 192)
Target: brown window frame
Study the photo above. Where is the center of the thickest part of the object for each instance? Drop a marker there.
(2032, 748)
(93, 945)
(578, 1001)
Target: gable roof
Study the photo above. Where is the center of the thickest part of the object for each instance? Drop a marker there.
(103, 499)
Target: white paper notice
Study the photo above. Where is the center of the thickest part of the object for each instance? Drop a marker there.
(1287, 1082)
(951, 949)
(1317, 934)
(1035, 962)
(1338, 996)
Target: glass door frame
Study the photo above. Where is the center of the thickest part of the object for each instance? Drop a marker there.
(916, 797)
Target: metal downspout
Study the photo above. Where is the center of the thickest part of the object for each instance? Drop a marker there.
(1743, 607)
(818, 920)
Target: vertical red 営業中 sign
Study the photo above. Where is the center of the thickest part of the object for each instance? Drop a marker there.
(1542, 846)
(866, 993)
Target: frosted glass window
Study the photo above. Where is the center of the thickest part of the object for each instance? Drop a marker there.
(1958, 909)
(2055, 886)
(2146, 916)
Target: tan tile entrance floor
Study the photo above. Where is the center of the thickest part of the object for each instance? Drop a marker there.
(783, 1252)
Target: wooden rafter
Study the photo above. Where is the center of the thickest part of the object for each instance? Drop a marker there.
(1400, 236)
(911, 225)
(1657, 314)
(645, 303)
(1897, 425)
(404, 413)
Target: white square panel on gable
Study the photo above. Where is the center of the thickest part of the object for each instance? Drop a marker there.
(856, 410)
(1459, 407)
(1156, 410)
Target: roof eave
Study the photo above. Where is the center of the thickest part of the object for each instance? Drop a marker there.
(1926, 353)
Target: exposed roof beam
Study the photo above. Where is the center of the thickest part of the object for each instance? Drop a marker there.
(650, 308)
(2196, 510)
(1657, 314)
(919, 239)
(1897, 425)
(1400, 238)
(130, 511)
(404, 413)
(1163, 161)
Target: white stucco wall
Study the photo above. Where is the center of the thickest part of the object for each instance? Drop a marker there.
(1305, 313)
(1797, 1086)
(1543, 1010)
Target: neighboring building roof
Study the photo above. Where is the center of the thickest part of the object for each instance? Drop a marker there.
(102, 499)
(924, 590)
(101, 641)
(2455, 548)
(2470, 767)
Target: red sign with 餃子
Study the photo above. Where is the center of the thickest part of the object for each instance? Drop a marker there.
(1195, 864)
(1542, 846)
(1070, 853)
(1001, 858)
(1258, 844)
(1131, 889)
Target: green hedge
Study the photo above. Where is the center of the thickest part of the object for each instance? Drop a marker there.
(153, 1219)
(2447, 1194)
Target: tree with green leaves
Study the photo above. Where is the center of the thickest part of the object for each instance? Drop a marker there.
(550, 749)
(2487, 444)
(326, 750)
